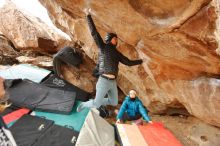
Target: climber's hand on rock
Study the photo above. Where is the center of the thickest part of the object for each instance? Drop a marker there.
(87, 11)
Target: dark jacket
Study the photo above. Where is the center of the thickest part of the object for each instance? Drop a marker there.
(133, 108)
(109, 56)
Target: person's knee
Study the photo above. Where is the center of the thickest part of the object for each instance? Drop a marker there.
(114, 103)
(97, 104)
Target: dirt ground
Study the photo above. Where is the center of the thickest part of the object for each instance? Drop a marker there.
(179, 126)
(187, 129)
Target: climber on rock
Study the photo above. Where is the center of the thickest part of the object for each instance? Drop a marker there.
(108, 60)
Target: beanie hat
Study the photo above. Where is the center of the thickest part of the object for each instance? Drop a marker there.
(109, 37)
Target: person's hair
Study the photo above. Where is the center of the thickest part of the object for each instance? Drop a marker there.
(133, 90)
(109, 37)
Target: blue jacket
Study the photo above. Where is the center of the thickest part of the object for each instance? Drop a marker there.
(133, 108)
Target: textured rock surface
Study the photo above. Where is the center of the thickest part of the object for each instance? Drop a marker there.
(176, 39)
(41, 61)
(190, 131)
(7, 51)
(27, 32)
(81, 77)
(217, 31)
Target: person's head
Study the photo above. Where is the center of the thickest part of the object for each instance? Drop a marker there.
(132, 93)
(114, 41)
(111, 38)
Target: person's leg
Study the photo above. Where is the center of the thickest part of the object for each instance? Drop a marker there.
(138, 116)
(102, 87)
(137, 119)
(125, 117)
(112, 95)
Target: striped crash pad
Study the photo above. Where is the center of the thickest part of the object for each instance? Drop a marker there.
(74, 120)
(149, 135)
(12, 117)
(25, 71)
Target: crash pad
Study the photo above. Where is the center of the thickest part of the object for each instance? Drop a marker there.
(148, 135)
(15, 115)
(74, 120)
(25, 71)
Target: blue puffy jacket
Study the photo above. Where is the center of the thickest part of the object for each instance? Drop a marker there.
(133, 108)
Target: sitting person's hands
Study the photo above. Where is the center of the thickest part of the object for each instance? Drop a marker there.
(150, 122)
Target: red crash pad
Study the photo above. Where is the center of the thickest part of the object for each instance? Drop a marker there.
(156, 135)
(149, 135)
(15, 115)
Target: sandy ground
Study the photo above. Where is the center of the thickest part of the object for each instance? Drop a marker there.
(187, 129)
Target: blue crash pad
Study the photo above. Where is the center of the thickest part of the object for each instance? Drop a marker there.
(25, 71)
(73, 120)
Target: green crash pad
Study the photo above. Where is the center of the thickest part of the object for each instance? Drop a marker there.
(73, 120)
(25, 71)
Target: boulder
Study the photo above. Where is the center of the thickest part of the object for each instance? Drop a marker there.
(178, 41)
(7, 51)
(27, 32)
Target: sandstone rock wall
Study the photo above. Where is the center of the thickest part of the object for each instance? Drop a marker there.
(28, 32)
(176, 40)
(7, 51)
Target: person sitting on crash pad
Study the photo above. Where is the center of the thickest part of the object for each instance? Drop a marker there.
(132, 109)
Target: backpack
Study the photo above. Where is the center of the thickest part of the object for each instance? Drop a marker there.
(66, 55)
(103, 112)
